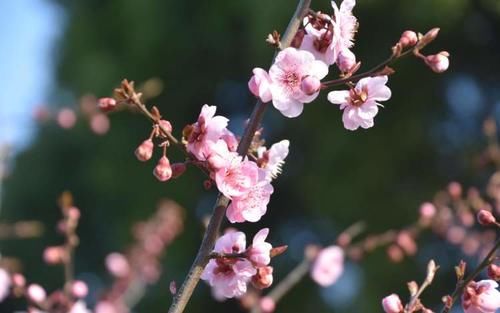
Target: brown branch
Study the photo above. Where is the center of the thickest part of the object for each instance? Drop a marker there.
(182, 297)
(461, 284)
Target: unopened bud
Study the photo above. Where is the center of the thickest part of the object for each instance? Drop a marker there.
(163, 170)
(264, 277)
(346, 60)
(310, 85)
(267, 304)
(166, 125)
(438, 62)
(145, 150)
(18, 280)
(53, 255)
(79, 289)
(494, 272)
(408, 39)
(178, 169)
(392, 304)
(36, 293)
(486, 218)
(106, 104)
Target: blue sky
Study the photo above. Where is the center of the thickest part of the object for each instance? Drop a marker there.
(29, 31)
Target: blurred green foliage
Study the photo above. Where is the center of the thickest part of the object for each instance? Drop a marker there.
(204, 51)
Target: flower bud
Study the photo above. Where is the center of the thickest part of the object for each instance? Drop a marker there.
(267, 304)
(145, 151)
(494, 272)
(53, 255)
(485, 218)
(36, 293)
(408, 39)
(79, 289)
(438, 62)
(166, 125)
(18, 280)
(310, 85)
(117, 265)
(264, 277)
(427, 210)
(260, 84)
(392, 304)
(163, 170)
(346, 60)
(106, 104)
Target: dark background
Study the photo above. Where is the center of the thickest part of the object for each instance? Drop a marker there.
(203, 52)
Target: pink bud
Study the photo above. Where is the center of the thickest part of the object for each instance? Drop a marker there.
(18, 280)
(166, 125)
(106, 104)
(178, 169)
(455, 190)
(486, 218)
(260, 84)
(310, 85)
(53, 255)
(163, 170)
(66, 118)
(438, 62)
(408, 39)
(346, 60)
(427, 210)
(145, 151)
(36, 293)
(392, 304)
(79, 289)
(494, 272)
(264, 277)
(117, 265)
(99, 124)
(267, 305)
(74, 213)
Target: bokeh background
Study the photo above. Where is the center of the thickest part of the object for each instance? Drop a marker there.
(54, 52)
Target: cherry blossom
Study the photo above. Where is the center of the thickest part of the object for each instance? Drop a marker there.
(481, 297)
(360, 104)
(229, 276)
(208, 129)
(291, 66)
(438, 62)
(251, 206)
(328, 266)
(238, 178)
(392, 304)
(319, 38)
(344, 26)
(273, 159)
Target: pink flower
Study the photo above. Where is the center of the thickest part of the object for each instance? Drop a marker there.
(145, 150)
(360, 103)
(5, 283)
(481, 297)
(273, 159)
(290, 67)
(319, 39)
(260, 250)
(252, 205)
(219, 155)
(66, 118)
(238, 178)
(392, 304)
(344, 26)
(229, 276)
(208, 129)
(260, 85)
(117, 264)
(163, 170)
(79, 289)
(36, 293)
(328, 266)
(230, 139)
(438, 62)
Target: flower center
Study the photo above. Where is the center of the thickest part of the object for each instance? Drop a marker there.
(357, 98)
(291, 79)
